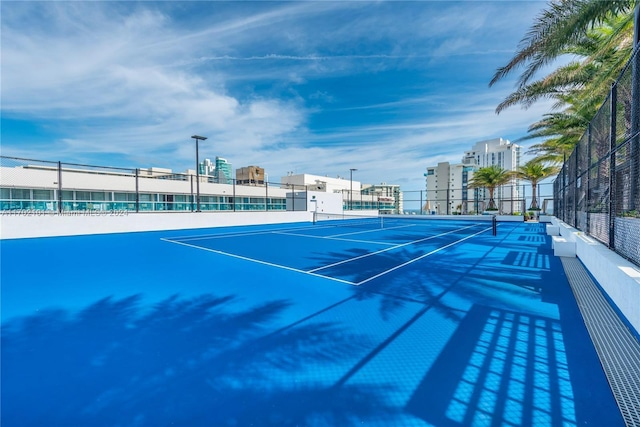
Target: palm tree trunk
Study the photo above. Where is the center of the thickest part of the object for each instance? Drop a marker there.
(492, 203)
(534, 194)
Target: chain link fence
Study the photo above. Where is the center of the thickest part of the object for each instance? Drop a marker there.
(45, 186)
(445, 202)
(598, 189)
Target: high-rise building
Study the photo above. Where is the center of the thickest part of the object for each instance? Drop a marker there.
(250, 175)
(206, 167)
(447, 191)
(447, 184)
(495, 151)
(223, 171)
(388, 197)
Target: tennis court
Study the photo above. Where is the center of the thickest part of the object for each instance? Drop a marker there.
(357, 322)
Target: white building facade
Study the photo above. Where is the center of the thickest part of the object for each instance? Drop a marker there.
(60, 188)
(383, 197)
(447, 184)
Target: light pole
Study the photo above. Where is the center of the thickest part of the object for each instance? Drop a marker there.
(351, 188)
(198, 138)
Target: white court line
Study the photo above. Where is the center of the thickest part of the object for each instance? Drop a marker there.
(333, 238)
(377, 230)
(240, 234)
(389, 249)
(284, 267)
(421, 256)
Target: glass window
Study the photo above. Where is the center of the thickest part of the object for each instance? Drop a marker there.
(4, 193)
(124, 197)
(100, 196)
(42, 194)
(67, 195)
(20, 194)
(83, 195)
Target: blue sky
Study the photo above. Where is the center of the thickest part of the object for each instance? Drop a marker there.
(313, 87)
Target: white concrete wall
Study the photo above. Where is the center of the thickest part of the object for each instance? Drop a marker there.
(619, 278)
(324, 202)
(46, 225)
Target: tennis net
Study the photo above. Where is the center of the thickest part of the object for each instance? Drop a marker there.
(393, 221)
(348, 220)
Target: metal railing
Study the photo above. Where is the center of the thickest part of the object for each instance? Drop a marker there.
(45, 186)
(509, 200)
(598, 189)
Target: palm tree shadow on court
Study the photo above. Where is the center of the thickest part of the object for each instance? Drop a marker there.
(502, 338)
(181, 362)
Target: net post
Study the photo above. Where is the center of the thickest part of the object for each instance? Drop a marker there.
(494, 224)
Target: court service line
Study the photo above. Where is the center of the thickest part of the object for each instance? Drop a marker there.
(240, 234)
(284, 267)
(371, 231)
(422, 256)
(333, 238)
(389, 249)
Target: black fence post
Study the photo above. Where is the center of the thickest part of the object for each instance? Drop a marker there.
(564, 187)
(576, 165)
(234, 195)
(137, 190)
(475, 200)
(635, 117)
(447, 210)
(192, 196)
(266, 196)
(588, 177)
(612, 166)
(59, 187)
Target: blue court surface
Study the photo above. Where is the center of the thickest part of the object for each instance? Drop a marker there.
(435, 323)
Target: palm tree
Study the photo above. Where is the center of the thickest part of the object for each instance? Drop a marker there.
(599, 35)
(561, 25)
(600, 54)
(535, 171)
(490, 177)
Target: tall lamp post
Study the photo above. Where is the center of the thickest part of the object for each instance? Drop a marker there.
(351, 188)
(198, 138)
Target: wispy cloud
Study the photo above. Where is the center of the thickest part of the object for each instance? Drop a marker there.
(316, 87)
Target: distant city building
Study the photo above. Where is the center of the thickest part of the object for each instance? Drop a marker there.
(223, 171)
(447, 191)
(250, 175)
(491, 152)
(447, 185)
(207, 167)
(388, 196)
(355, 196)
